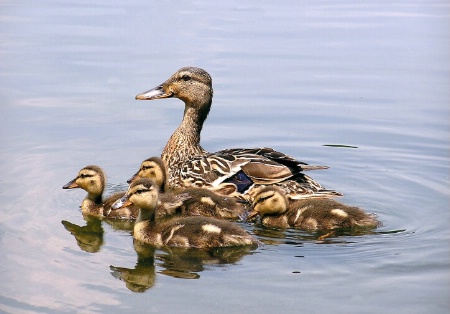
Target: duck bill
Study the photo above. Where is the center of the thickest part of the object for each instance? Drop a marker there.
(71, 185)
(155, 93)
(120, 203)
(133, 178)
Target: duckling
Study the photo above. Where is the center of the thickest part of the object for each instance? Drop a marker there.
(201, 202)
(236, 172)
(192, 231)
(92, 179)
(276, 210)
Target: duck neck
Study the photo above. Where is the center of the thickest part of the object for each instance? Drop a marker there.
(95, 198)
(146, 215)
(92, 204)
(184, 144)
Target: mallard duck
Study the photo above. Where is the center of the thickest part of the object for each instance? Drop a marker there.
(237, 172)
(92, 180)
(201, 202)
(190, 231)
(276, 210)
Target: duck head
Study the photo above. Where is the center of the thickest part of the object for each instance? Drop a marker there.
(90, 178)
(143, 193)
(269, 201)
(152, 168)
(190, 84)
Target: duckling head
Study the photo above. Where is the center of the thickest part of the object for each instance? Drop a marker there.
(269, 201)
(190, 84)
(152, 168)
(143, 193)
(91, 179)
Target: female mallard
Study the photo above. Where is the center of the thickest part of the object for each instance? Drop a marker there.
(191, 231)
(276, 210)
(201, 202)
(238, 172)
(92, 180)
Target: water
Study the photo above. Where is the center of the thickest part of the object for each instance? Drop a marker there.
(294, 76)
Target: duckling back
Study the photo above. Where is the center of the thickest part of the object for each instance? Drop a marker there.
(313, 214)
(203, 202)
(276, 210)
(194, 232)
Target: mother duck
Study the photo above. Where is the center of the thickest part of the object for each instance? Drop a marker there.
(236, 172)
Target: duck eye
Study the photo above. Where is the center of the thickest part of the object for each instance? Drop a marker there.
(82, 176)
(263, 199)
(186, 77)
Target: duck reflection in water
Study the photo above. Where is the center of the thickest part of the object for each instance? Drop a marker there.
(184, 263)
(89, 237)
(142, 276)
(187, 263)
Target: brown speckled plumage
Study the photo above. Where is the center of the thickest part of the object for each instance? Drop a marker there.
(237, 172)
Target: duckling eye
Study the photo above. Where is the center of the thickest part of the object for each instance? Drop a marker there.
(186, 77)
(140, 191)
(262, 199)
(82, 176)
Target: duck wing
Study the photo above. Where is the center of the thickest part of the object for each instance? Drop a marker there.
(242, 167)
(274, 156)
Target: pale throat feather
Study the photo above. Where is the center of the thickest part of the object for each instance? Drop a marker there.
(184, 144)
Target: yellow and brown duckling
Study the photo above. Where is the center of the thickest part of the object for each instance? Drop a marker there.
(189, 232)
(276, 210)
(92, 180)
(237, 172)
(201, 202)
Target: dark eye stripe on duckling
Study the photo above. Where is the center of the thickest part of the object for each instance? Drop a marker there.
(140, 191)
(264, 198)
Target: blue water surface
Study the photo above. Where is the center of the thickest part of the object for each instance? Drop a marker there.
(360, 86)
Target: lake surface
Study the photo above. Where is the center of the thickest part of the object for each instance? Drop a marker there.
(359, 86)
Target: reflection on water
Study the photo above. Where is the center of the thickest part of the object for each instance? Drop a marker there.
(276, 236)
(89, 237)
(183, 263)
(142, 276)
(310, 78)
(188, 263)
(120, 224)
